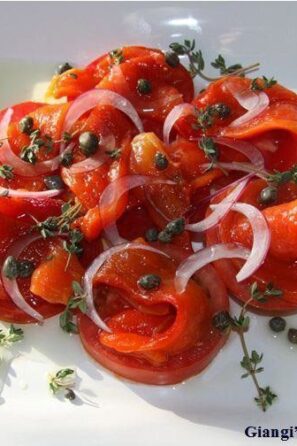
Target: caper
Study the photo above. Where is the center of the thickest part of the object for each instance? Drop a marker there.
(161, 161)
(63, 67)
(149, 281)
(69, 394)
(144, 86)
(268, 195)
(10, 267)
(13, 268)
(277, 324)
(53, 182)
(67, 158)
(25, 268)
(165, 236)
(222, 110)
(221, 320)
(292, 335)
(88, 143)
(26, 124)
(172, 59)
(176, 227)
(151, 235)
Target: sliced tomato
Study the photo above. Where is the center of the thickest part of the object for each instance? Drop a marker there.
(52, 279)
(279, 267)
(164, 201)
(76, 81)
(169, 86)
(150, 348)
(27, 208)
(10, 231)
(49, 120)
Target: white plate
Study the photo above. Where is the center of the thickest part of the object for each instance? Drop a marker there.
(216, 405)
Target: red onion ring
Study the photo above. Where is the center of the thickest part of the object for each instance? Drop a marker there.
(255, 103)
(11, 286)
(91, 163)
(120, 186)
(241, 167)
(226, 204)
(203, 257)
(22, 168)
(91, 99)
(93, 269)
(177, 112)
(19, 193)
(261, 239)
(112, 234)
(247, 149)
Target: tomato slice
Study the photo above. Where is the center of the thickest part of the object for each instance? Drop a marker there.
(169, 86)
(154, 348)
(279, 267)
(52, 279)
(76, 81)
(11, 230)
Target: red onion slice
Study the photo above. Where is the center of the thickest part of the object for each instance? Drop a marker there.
(91, 99)
(22, 168)
(247, 149)
(112, 234)
(261, 239)
(203, 257)
(241, 167)
(88, 164)
(255, 103)
(19, 193)
(93, 269)
(11, 286)
(215, 217)
(114, 191)
(95, 161)
(177, 112)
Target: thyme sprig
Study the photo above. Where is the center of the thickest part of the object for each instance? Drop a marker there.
(116, 56)
(11, 336)
(263, 83)
(53, 225)
(77, 301)
(29, 152)
(197, 63)
(250, 361)
(6, 172)
(63, 381)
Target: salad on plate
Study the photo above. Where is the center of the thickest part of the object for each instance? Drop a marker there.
(134, 206)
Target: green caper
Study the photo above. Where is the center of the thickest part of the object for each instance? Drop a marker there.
(292, 335)
(176, 227)
(149, 281)
(26, 125)
(151, 235)
(88, 143)
(144, 86)
(10, 267)
(277, 324)
(63, 67)
(165, 236)
(25, 268)
(53, 182)
(268, 195)
(172, 59)
(161, 161)
(67, 158)
(222, 110)
(221, 320)
(69, 394)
